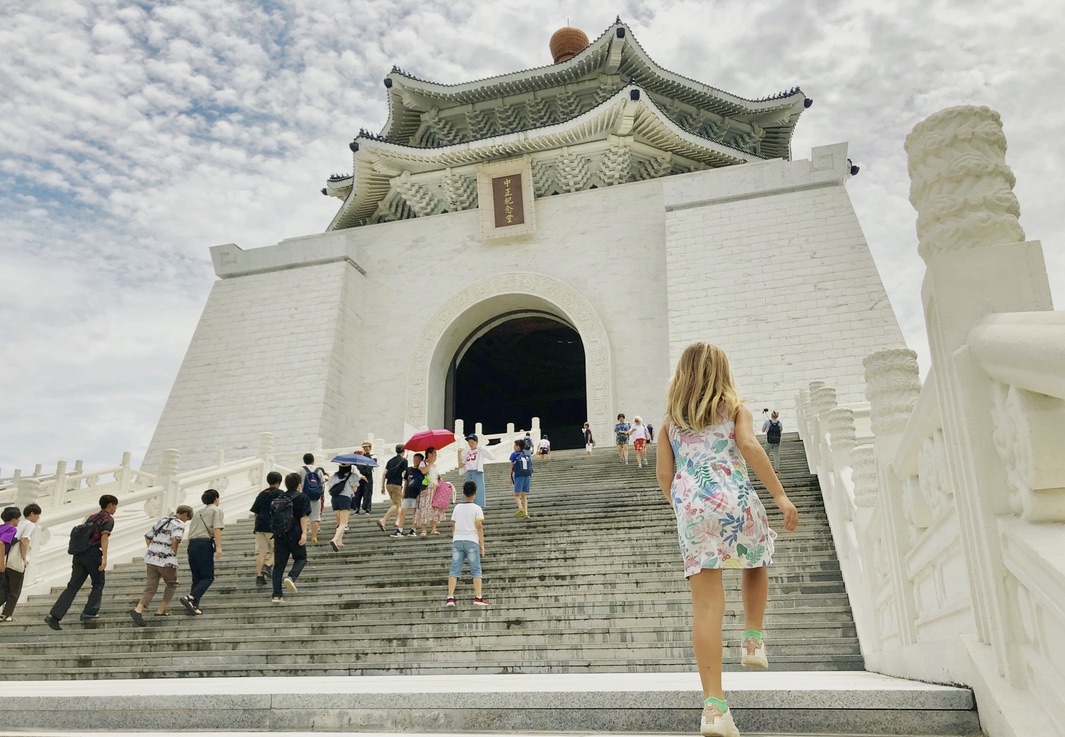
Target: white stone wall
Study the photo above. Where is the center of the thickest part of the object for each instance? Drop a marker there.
(766, 259)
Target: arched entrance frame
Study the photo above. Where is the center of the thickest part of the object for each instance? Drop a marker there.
(477, 304)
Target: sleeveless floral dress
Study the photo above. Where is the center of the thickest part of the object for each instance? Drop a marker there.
(721, 522)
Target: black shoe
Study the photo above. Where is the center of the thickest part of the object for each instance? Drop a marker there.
(138, 618)
(260, 580)
(52, 622)
(268, 571)
(89, 617)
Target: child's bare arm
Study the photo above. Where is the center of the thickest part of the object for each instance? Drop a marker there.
(757, 459)
(665, 464)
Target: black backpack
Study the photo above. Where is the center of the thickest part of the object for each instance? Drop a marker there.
(81, 536)
(312, 484)
(281, 515)
(526, 443)
(772, 434)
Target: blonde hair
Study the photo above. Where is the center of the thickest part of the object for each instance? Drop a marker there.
(702, 391)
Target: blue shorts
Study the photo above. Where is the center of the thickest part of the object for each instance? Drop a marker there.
(521, 484)
(339, 502)
(462, 551)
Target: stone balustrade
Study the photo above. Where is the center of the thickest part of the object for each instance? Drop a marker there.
(950, 517)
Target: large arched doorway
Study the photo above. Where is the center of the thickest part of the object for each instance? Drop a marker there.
(517, 366)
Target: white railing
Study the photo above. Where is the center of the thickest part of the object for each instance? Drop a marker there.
(66, 499)
(949, 512)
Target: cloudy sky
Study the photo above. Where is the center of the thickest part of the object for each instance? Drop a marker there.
(135, 135)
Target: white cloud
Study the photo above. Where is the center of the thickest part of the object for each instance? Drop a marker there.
(133, 138)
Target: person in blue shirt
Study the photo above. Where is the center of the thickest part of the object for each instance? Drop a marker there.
(521, 477)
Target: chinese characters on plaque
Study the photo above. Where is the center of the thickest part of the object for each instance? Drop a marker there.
(507, 198)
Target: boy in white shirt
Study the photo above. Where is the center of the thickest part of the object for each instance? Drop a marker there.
(467, 544)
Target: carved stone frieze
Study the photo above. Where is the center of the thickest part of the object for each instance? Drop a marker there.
(839, 423)
(893, 384)
(822, 397)
(572, 304)
(933, 477)
(960, 185)
(1026, 432)
(863, 464)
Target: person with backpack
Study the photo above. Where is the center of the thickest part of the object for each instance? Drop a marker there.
(773, 428)
(88, 548)
(18, 559)
(8, 537)
(288, 521)
(521, 477)
(527, 442)
(204, 548)
(161, 561)
(312, 482)
(264, 536)
(414, 481)
(394, 472)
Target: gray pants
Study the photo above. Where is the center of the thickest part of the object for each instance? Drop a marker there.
(773, 449)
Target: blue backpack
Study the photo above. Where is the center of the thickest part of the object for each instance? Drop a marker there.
(312, 484)
(523, 464)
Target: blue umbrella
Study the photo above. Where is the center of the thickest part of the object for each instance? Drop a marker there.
(354, 459)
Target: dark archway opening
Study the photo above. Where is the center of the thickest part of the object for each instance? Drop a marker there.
(520, 367)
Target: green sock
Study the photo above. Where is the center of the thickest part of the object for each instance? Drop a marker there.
(721, 704)
(752, 633)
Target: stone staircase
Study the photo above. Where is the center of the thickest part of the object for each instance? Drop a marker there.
(591, 584)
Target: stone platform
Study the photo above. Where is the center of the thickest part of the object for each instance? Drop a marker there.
(777, 703)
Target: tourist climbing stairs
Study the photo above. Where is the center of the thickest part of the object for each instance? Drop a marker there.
(590, 583)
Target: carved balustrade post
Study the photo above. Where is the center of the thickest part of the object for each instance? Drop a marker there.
(863, 474)
(125, 474)
(37, 471)
(977, 264)
(167, 478)
(59, 485)
(535, 431)
(28, 491)
(893, 384)
(839, 423)
(460, 430)
(478, 430)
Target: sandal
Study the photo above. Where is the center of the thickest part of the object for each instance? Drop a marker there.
(191, 609)
(162, 614)
(423, 535)
(435, 532)
(381, 525)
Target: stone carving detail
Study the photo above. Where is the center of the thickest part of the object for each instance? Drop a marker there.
(221, 483)
(863, 465)
(615, 167)
(654, 168)
(604, 92)
(567, 105)
(544, 182)
(580, 313)
(892, 386)
(461, 192)
(478, 124)
(443, 132)
(914, 509)
(573, 172)
(508, 119)
(417, 196)
(960, 184)
(934, 478)
(153, 507)
(822, 397)
(538, 112)
(1026, 432)
(839, 422)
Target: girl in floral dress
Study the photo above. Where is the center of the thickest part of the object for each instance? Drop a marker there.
(721, 523)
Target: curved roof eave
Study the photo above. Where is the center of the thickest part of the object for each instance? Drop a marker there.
(523, 142)
(553, 74)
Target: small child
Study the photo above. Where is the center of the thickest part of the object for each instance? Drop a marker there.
(521, 477)
(467, 544)
(414, 477)
(8, 533)
(721, 522)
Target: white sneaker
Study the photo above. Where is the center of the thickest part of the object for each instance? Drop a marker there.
(754, 654)
(716, 724)
(289, 584)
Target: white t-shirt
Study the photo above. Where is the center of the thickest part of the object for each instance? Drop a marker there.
(545, 444)
(639, 431)
(23, 531)
(465, 518)
(473, 459)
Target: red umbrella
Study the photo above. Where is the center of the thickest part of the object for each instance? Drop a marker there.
(419, 441)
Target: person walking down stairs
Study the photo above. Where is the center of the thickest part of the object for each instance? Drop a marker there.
(721, 523)
(89, 551)
(467, 544)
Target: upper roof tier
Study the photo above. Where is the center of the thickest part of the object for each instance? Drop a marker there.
(429, 114)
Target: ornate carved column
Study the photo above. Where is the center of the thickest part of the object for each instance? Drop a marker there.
(892, 386)
(971, 241)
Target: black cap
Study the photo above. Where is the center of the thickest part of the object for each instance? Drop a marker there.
(471, 436)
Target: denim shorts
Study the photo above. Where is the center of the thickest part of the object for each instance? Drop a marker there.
(409, 504)
(521, 484)
(461, 551)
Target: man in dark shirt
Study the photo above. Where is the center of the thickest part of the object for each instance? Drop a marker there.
(394, 471)
(264, 544)
(293, 542)
(90, 564)
(364, 494)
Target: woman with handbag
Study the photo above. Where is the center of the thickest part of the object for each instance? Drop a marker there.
(425, 515)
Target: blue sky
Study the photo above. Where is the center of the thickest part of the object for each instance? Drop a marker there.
(134, 136)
